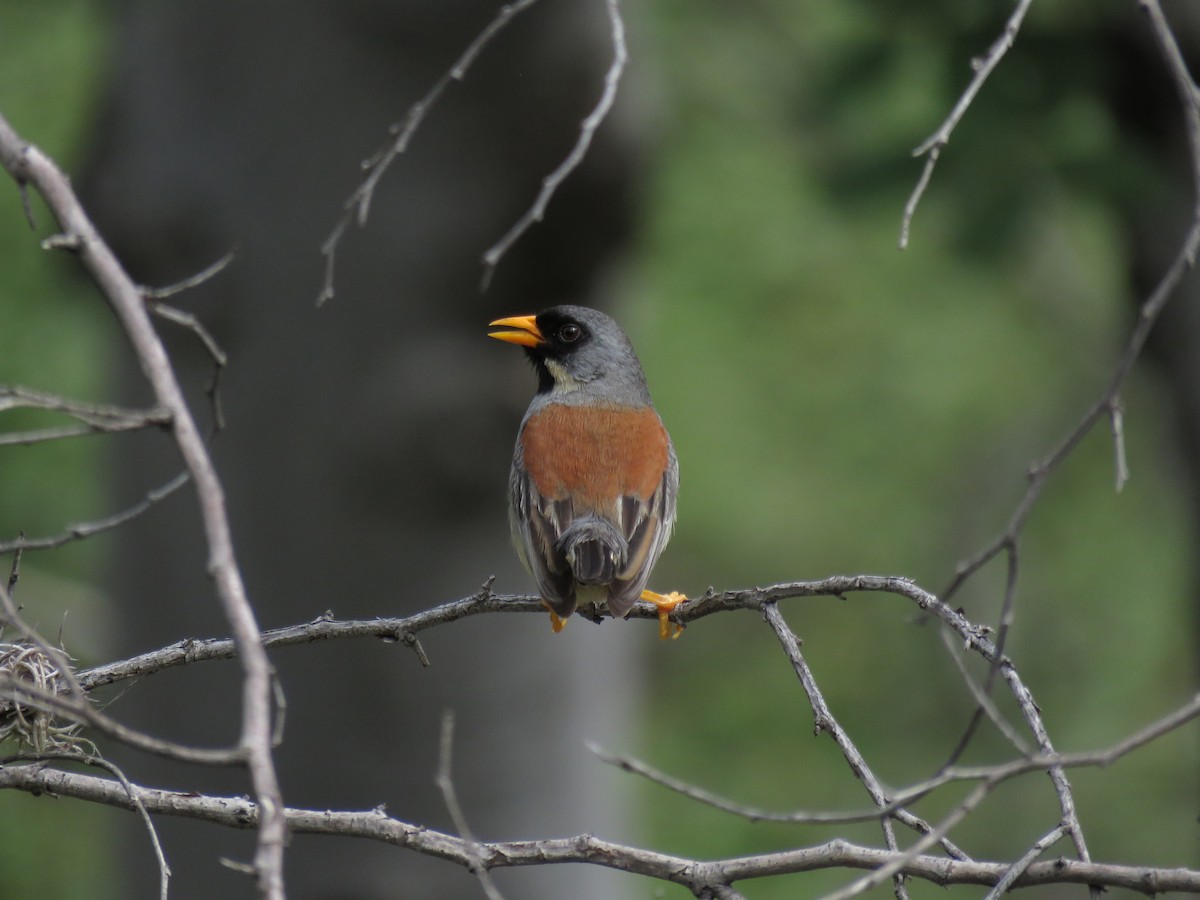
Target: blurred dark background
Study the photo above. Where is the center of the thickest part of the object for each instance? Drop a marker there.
(837, 406)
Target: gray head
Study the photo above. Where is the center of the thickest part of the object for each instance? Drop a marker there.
(577, 349)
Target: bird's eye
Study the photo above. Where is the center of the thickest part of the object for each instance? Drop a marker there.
(570, 333)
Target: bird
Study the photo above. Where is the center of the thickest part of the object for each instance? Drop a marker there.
(594, 475)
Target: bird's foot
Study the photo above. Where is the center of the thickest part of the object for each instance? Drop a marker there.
(557, 622)
(666, 603)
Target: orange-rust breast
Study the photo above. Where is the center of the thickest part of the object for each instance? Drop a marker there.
(595, 454)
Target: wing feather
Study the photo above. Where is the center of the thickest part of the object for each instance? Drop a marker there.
(647, 527)
(537, 522)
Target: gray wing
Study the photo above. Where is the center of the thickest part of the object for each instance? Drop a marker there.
(537, 523)
(647, 527)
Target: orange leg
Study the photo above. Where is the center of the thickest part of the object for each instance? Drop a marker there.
(666, 603)
(557, 622)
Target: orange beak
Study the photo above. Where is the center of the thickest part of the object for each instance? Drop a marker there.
(524, 331)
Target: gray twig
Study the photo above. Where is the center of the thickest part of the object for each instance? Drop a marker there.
(982, 698)
(26, 164)
(358, 204)
(931, 148)
(1108, 404)
(131, 791)
(84, 530)
(825, 721)
(696, 875)
(587, 131)
(96, 418)
(1048, 840)
(445, 783)
(192, 281)
(156, 296)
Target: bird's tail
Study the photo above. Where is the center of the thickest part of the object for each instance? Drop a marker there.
(595, 550)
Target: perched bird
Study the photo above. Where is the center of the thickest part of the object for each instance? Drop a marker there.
(594, 476)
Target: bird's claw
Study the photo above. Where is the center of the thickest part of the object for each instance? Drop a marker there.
(557, 622)
(666, 603)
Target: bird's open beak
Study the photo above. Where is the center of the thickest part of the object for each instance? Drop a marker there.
(524, 331)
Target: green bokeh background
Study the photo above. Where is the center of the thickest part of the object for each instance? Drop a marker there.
(838, 407)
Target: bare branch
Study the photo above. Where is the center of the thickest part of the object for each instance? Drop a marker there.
(704, 878)
(996, 774)
(992, 776)
(45, 435)
(97, 418)
(405, 629)
(697, 876)
(51, 686)
(1002, 886)
(102, 416)
(754, 814)
(85, 530)
(1108, 404)
(587, 131)
(1058, 775)
(1148, 314)
(982, 698)
(211, 347)
(79, 710)
(156, 296)
(445, 784)
(1116, 418)
(763, 599)
(700, 795)
(164, 870)
(192, 281)
(931, 148)
(25, 163)
(358, 204)
(14, 572)
(824, 721)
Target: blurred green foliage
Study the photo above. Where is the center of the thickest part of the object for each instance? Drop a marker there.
(838, 407)
(841, 407)
(55, 337)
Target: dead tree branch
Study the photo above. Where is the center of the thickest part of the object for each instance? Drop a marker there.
(931, 148)
(358, 204)
(699, 876)
(587, 131)
(64, 695)
(83, 530)
(1108, 404)
(29, 167)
